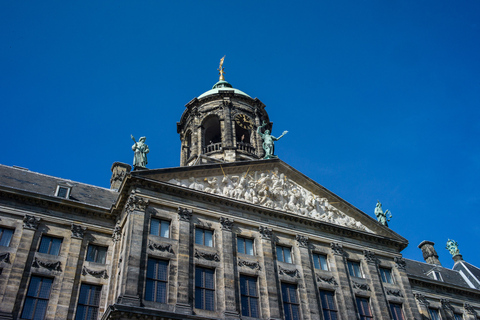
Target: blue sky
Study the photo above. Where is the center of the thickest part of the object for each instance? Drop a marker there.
(381, 98)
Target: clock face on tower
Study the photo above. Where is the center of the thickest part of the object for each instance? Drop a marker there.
(244, 121)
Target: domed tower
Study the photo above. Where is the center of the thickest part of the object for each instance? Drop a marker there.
(220, 126)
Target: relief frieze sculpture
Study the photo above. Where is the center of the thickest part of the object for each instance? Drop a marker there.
(207, 255)
(360, 286)
(274, 190)
(97, 274)
(31, 222)
(54, 266)
(251, 265)
(330, 280)
(400, 263)
(160, 247)
(77, 231)
(5, 257)
(292, 273)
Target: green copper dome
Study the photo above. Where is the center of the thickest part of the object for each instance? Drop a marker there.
(222, 85)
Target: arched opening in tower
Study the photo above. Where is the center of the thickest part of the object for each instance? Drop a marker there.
(188, 145)
(242, 135)
(212, 137)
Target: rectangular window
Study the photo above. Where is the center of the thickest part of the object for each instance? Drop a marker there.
(157, 279)
(63, 192)
(249, 293)
(5, 236)
(434, 314)
(320, 261)
(291, 307)
(88, 302)
(284, 254)
(204, 288)
(354, 269)
(96, 253)
(245, 245)
(204, 237)
(160, 228)
(50, 245)
(386, 275)
(328, 305)
(37, 298)
(396, 310)
(364, 308)
(457, 316)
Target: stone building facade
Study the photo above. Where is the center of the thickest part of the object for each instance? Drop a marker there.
(226, 235)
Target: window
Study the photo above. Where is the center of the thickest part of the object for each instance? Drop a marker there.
(320, 261)
(50, 245)
(204, 288)
(160, 228)
(435, 275)
(248, 291)
(354, 269)
(88, 302)
(5, 236)
(245, 245)
(204, 237)
(37, 298)
(284, 254)
(396, 310)
(157, 278)
(457, 316)
(96, 253)
(434, 314)
(291, 307)
(63, 192)
(386, 275)
(364, 308)
(328, 305)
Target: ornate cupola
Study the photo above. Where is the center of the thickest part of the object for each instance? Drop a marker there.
(220, 126)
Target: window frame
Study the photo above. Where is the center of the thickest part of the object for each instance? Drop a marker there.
(157, 280)
(457, 316)
(244, 245)
(351, 269)
(317, 261)
(203, 289)
(360, 308)
(327, 310)
(281, 257)
(394, 312)
(87, 305)
(160, 227)
(248, 297)
(36, 298)
(50, 245)
(203, 231)
(436, 316)
(383, 271)
(97, 246)
(66, 187)
(287, 304)
(2, 235)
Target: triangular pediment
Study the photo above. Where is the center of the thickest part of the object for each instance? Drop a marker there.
(271, 184)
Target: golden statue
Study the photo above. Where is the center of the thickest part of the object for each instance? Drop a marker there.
(222, 78)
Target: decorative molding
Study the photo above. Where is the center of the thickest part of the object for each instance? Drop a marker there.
(302, 240)
(422, 300)
(136, 203)
(77, 231)
(292, 273)
(469, 308)
(337, 249)
(97, 274)
(251, 265)
(30, 222)
(207, 255)
(160, 247)
(370, 257)
(394, 292)
(400, 263)
(266, 232)
(330, 280)
(227, 224)
(117, 233)
(446, 305)
(360, 286)
(184, 214)
(5, 257)
(54, 266)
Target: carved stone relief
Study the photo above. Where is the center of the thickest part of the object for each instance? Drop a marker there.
(329, 280)
(184, 214)
(302, 240)
(265, 232)
(400, 263)
(160, 247)
(5, 257)
(421, 299)
(77, 231)
(446, 305)
(360, 286)
(292, 273)
(370, 256)
(469, 308)
(207, 255)
(337, 249)
(252, 265)
(393, 292)
(54, 266)
(97, 274)
(117, 233)
(31, 222)
(274, 190)
(227, 224)
(136, 203)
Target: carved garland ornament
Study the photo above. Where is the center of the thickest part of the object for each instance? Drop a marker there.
(55, 266)
(97, 274)
(251, 265)
(292, 273)
(360, 286)
(207, 255)
(396, 293)
(330, 280)
(155, 246)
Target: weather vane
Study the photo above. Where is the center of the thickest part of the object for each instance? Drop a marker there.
(220, 68)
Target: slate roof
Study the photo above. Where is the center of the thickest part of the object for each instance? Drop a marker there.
(471, 272)
(23, 179)
(420, 270)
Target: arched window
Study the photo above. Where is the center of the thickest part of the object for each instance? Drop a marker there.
(212, 134)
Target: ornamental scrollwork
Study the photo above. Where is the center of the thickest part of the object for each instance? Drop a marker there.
(55, 266)
(117, 233)
(136, 203)
(302, 240)
(207, 255)
(227, 224)
(329, 280)
(155, 246)
(400, 263)
(77, 231)
(421, 299)
(292, 273)
(265, 232)
(251, 265)
(469, 308)
(360, 286)
(184, 214)
(337, 249)
(370, 256)
(97, 274)
(31, 222)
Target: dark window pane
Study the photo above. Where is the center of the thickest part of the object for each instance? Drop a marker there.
(157, 278)
(5, 236)
(154, 226)
(36, 301)
(204, 288)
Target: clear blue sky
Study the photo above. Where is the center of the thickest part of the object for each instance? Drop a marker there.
(381, 98)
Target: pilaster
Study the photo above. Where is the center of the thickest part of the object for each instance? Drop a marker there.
(185, 262)
(410, 306)
(380, 307)
(347, 306)
(307, 285)
(229, 271)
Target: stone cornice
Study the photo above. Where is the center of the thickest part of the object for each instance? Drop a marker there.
(442, 287)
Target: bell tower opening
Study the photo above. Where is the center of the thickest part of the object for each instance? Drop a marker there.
(212, 136)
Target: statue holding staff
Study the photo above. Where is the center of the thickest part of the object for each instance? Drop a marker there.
(268, 140)
(140, 149)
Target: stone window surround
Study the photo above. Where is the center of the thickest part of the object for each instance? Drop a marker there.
(203, 228)
(253, 245)
(160, 220)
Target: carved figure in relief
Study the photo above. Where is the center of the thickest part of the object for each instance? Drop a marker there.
(140, 150)
(268, 140)
(212, 185)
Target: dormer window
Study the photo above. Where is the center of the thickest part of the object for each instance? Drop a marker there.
(436, 275)
(63, 191)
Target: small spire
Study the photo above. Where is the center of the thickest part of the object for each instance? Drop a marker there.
(221, 71)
